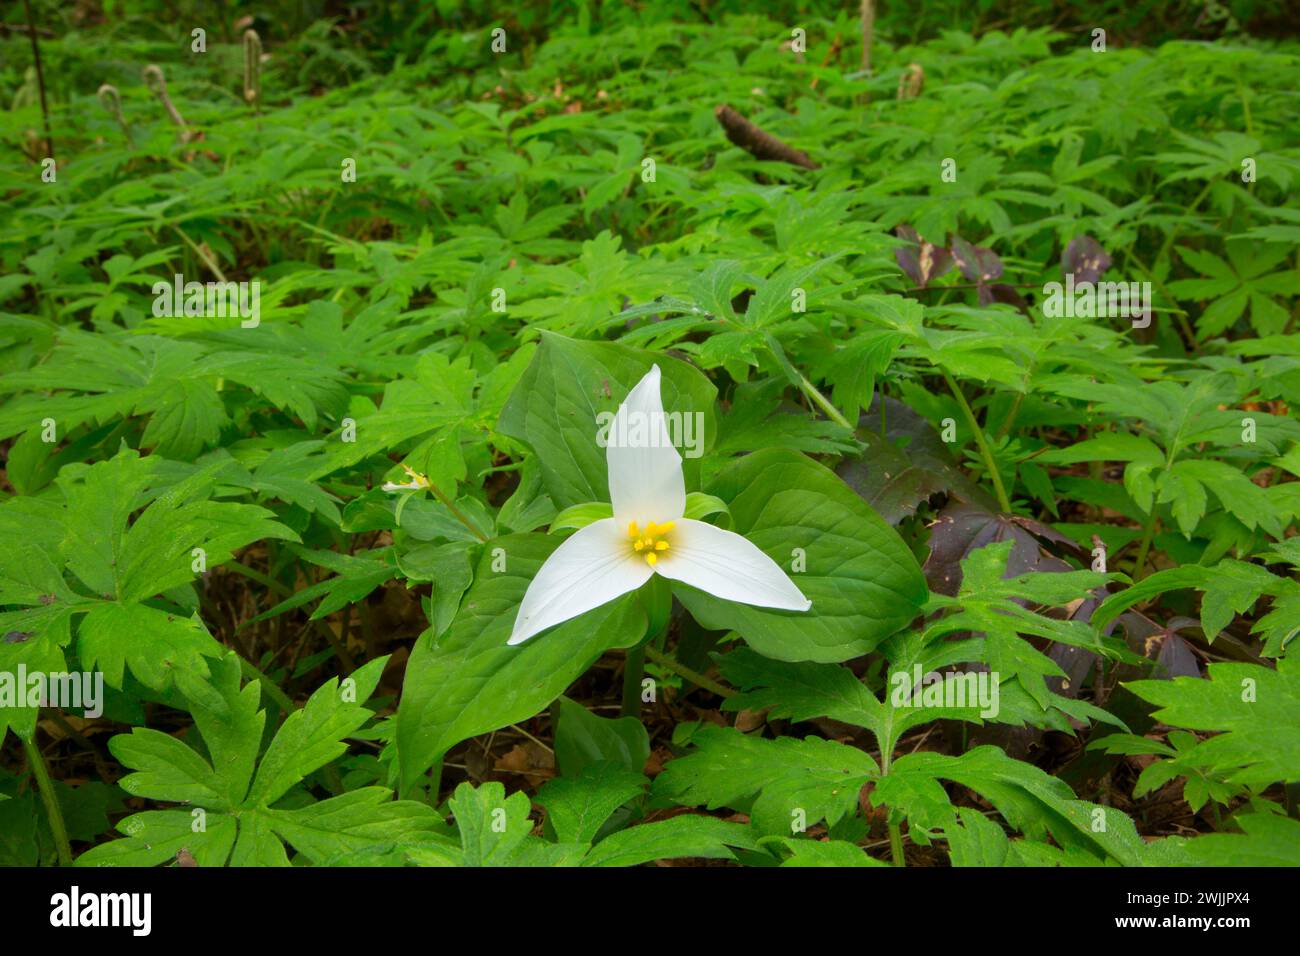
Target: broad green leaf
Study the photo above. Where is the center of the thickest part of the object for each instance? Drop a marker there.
(578, 806)
(469, 681)
(569, 383)
(863, 581)
(583, 738)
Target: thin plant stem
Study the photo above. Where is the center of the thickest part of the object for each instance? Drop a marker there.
(456, 512)
(633, 672)
(896, 845)
(201, 253)
(985, 452)
(822, 402)
(1148, 532)
(52, 809)
(668, 662)
(1173, 233)
(40, 76)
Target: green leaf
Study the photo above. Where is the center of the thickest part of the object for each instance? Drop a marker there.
(681, 836)
(1029, 799)
(1230, 587)
(241, 825)
(1264, 841)
(993, 606)
(579, 516)
(1255, 710)
(582, 739)
(863, 581)
(578, 806)
(836, 853)
(469, 681)
(799, 691)
(781, 782)
(554, 409)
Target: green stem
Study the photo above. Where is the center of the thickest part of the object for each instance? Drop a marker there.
(985, 452)
(1011, 417)
(272, 689)
(633, 672)
(695, 677)
(456, 512)
(1173, 233)
(199, 251)
(52, 809)
(263, 579)
(1148, 533)
(896, 845)
(895, 832)
(822, 402)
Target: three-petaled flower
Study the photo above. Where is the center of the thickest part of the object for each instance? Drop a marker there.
(648, 535)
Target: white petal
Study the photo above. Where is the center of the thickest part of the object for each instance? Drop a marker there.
(727, 566)
(645, 470)
(591, 568)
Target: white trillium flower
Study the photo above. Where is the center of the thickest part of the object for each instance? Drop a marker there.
(417, 483)
(648, 535)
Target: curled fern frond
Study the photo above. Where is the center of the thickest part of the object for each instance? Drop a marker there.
(252, 67)
(911, 82)
(157, 83)
(111, 100)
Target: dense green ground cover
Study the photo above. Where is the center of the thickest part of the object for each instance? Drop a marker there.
(464, 256)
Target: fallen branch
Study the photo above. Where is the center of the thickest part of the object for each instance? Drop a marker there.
(762, 145)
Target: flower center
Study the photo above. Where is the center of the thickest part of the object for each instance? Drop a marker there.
(650, 541)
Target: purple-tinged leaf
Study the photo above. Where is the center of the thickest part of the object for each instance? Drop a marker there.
(1085, 258)
(921, 260)
(977, 263)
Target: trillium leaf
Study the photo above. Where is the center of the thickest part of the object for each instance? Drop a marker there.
(863, 581)
(554, 410)
(470, 682)
(583, 738)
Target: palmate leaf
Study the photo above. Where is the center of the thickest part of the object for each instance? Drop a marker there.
(493, 830)
(1264, 841)
(772, 780)
(1235, 286)
(87, 560)
(1255, 712)
(101, 379)
(1230, 587)
(1031, 800)
(236, 794)
(989, 604)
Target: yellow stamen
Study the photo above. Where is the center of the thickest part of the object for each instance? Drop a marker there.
(420, 479)
(650, 541)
